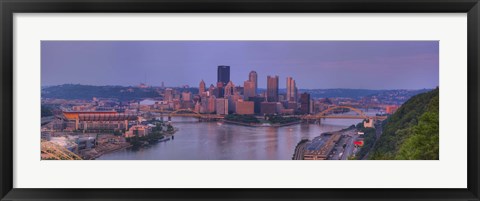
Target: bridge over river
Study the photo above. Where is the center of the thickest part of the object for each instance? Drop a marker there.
(326, 114)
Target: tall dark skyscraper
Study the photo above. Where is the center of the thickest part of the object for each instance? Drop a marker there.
(305, 103)
(223, 74)
(272, 88)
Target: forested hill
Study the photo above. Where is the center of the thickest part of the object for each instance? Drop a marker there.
(87, 92)
(411, 133)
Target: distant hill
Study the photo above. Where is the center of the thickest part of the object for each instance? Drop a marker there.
(122, 93)
(411, 133)
(87, 92)
(344, 93)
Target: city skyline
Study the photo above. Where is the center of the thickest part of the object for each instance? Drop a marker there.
(386, 64)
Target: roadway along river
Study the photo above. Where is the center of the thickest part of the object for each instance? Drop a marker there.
(211, 141)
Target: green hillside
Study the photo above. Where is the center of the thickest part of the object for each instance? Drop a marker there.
(411, 133)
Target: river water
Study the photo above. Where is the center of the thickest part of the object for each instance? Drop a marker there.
(211, 141)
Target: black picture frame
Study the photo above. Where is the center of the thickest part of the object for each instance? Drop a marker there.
(9, 7)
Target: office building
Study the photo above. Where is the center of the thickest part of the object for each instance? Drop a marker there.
(229, 89)
(312, 106)
(204, 105)
(305, 103)
(249, 89)
(211, 108)
(291, 90)
(245, 107)
(223, 74)
(272, 88)
(268, 108)
(201, 88)
(253, 77)
(257, 101)
(292, 105)
(222, 106)
(239, 90)
(211, 90)
(220, 90)
(198, 107)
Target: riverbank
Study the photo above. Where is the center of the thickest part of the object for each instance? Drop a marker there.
(153, 138)
(102, 149)
(107, 148)
(260, 124)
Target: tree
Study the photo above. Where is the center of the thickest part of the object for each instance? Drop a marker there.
(412, 132)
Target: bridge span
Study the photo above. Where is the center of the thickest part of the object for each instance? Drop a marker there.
(326, 114)
(313, 117)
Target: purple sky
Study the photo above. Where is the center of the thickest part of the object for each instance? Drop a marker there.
(313, 64)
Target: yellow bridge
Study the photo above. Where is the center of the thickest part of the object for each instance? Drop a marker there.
(326, 114)
(322, 115)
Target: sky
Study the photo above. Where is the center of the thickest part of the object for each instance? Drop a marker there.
(313, 64)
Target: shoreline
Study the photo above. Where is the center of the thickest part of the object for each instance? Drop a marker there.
(109, 151)
(167, 134)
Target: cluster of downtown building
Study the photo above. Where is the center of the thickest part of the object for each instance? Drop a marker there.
(227, 98)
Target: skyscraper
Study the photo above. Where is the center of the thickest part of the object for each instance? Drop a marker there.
(272, 88)
(223, 74)
(220, 90)
(201, 88)
(252, 77)
(305, 103)
(229, 89)
(211, 90)
(295, 92)
(291, 90)
(221, 106)
(211, 104)
(248, 89)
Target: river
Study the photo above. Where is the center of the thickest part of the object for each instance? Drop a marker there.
(211, 141)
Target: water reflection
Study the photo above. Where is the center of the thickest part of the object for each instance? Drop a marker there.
(211, 141)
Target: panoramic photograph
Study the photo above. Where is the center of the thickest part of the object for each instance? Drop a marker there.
(239, 100)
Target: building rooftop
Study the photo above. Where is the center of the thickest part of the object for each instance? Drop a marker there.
(106, 117)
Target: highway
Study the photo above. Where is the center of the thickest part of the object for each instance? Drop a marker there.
(298, 155)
